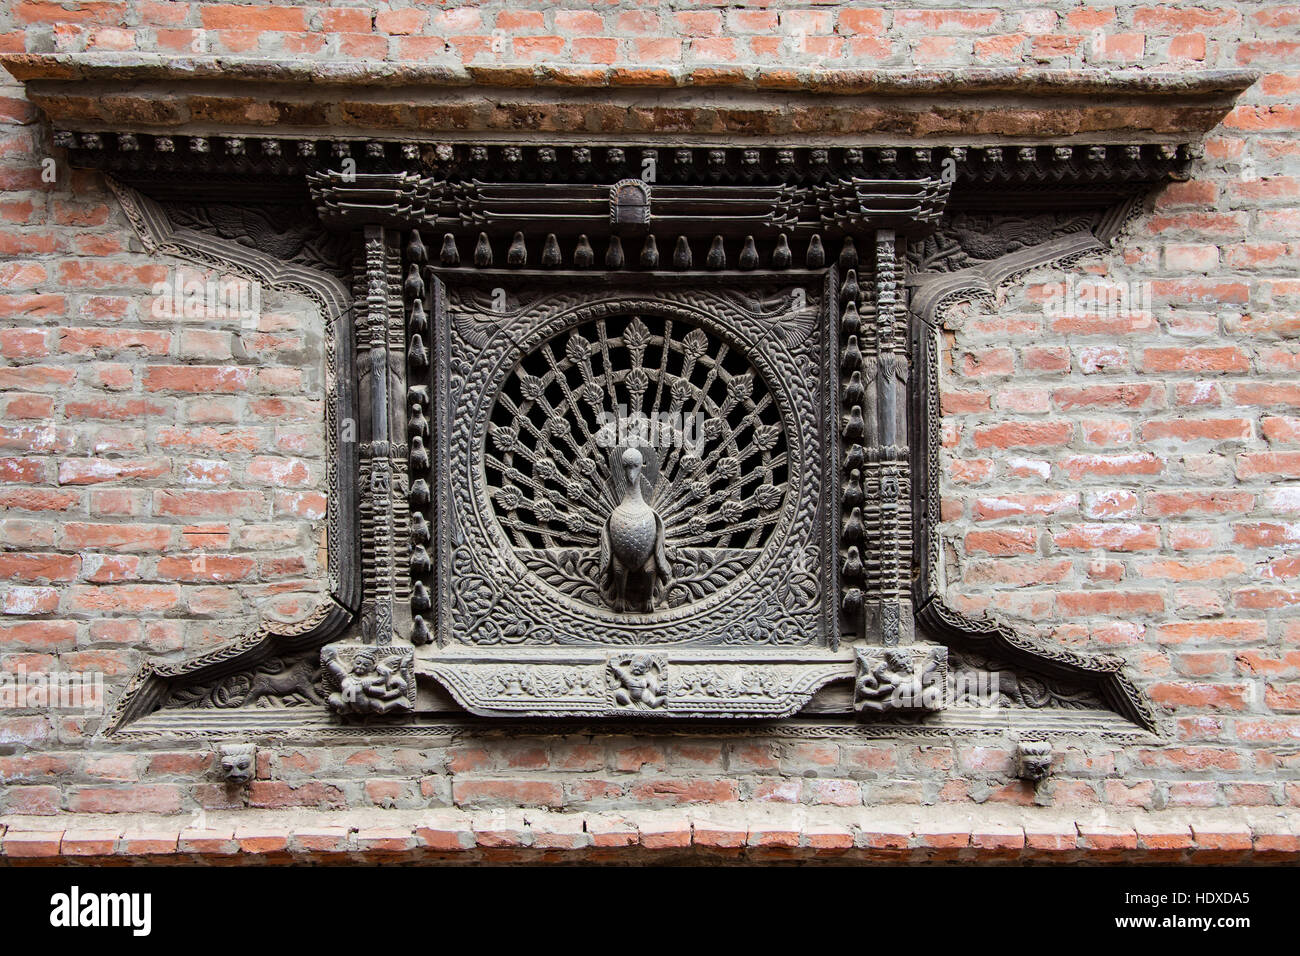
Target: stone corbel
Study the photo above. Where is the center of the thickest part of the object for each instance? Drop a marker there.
(1033, 760)
(237, 763)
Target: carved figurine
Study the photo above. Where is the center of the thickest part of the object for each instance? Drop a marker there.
(1033, 760)
(895, 680)
(373, 686)
(637, 680)
(238, 762)
(634, 568)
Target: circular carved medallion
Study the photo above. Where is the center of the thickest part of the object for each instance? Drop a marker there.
(636, 462)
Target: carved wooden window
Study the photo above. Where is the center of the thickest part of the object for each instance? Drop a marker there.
(631, 449)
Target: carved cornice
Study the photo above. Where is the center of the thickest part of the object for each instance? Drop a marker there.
(470, 207)
(206, 94)
(476, 176)
(315, 725)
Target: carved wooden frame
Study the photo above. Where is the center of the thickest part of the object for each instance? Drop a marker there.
(882, 606)
(152, 685)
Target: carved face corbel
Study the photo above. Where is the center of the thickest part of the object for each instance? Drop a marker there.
(237, 763)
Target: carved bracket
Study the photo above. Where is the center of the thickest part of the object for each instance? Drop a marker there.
(1033, 760)
(370, 679)
(238, 762)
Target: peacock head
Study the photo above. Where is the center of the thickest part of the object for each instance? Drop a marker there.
(632, 465)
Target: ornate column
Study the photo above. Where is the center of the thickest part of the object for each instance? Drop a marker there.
(893, 672)
(375, 675)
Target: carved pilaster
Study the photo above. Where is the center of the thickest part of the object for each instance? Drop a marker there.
(375, 676)
(888, 464)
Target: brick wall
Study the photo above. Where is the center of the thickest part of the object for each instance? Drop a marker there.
(1121, 484)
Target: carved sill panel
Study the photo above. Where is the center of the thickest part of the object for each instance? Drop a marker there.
(631, 449)
(668, 683)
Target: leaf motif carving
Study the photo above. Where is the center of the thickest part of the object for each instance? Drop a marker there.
(530, 387)
(577, 349)
(741, 387)
(636, 336)
(695, 344)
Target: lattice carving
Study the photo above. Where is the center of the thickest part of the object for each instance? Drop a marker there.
(705, 393)
(704, 429)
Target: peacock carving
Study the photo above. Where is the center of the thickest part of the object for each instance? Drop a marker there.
(633, 566)
(636, 463)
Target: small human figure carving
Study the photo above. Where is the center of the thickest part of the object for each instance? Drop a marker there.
(634, 568)
(893, 682)
(637, 680)
(373, 686)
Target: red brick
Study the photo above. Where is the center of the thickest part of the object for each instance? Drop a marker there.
(1085, 603)
(1207, 359)
(238, 17)
(32, 844)
(528, 793)
(1198, 429)
(1036, 434)
(198, 379)
(38, 568)
(1111, 537)
(1132, 396)
(140, 798)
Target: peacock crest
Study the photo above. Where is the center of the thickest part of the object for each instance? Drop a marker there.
(707, 427)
